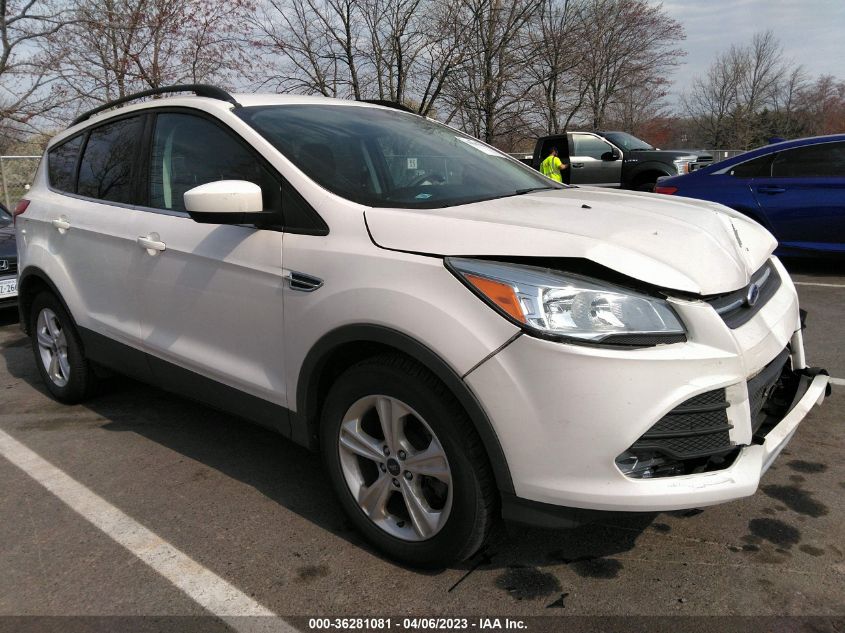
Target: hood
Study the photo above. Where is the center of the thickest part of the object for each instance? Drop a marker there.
(665, 155)
(675, 243)
(7, 241)
(701, 153)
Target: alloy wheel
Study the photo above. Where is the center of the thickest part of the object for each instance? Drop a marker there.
(52, 347)
(395, 468)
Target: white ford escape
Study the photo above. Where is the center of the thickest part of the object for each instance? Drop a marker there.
(461, 337)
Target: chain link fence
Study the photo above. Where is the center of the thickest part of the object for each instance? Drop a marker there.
(16, 173)
(722, 154)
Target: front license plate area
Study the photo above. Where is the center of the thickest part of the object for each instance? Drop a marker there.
(8, 288)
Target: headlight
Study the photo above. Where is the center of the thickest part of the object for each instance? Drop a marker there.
(683, 163)
(559, 304)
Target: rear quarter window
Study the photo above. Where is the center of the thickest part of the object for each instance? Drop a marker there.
(760, 167)
(822, 160)
(61, 165)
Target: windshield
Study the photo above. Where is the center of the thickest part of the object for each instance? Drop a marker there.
(627, 141)
(5, 216)
(386, 158)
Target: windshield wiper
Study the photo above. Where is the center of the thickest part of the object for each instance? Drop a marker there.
(520, 192)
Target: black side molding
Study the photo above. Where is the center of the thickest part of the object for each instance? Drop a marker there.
(147, 368)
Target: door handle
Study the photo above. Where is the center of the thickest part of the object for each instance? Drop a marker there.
(577, 165)
(151, 243)
(770, 189)
(61, 224)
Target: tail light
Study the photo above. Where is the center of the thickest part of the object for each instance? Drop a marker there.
(667, 190)
(21, 207)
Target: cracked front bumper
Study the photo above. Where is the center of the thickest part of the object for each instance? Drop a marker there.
(563, 413)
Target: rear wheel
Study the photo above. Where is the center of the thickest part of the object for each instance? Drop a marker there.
(58, 351)
(406, 463)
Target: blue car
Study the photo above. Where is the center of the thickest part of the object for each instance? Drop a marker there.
(796, 189)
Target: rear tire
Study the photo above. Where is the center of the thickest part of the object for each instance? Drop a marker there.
(61, 361)
(419, 487)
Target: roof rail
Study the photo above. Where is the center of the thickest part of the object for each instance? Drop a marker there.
(201, 90)
(389, 104)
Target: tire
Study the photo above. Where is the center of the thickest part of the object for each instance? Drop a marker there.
(58, 351)
(645, 186)
(454, 486)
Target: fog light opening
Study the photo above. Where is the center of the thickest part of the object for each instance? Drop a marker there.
(648, 465)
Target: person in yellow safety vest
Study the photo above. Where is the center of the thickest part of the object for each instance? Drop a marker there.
(553, 166)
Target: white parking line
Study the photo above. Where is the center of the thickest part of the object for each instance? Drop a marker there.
(201, 585)
(837, 381)
(813, 283)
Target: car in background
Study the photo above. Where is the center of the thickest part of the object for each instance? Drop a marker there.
(614, 159)
(796, 189)
(8, 261)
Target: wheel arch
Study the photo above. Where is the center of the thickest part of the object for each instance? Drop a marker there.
(32, 281)
(645, 171)
(339, 349)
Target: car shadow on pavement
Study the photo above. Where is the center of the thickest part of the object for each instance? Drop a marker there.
(294, 477)
(8, 316)
(816, 266)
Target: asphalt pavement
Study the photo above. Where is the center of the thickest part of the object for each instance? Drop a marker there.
(197, 514)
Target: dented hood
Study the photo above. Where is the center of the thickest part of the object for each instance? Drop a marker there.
(671, 242)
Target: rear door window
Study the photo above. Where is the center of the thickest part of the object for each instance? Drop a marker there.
(824, 160)
(760, 167)
(61, 165)
(189, 151)
(109, 162)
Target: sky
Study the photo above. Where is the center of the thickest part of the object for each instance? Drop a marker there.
(812, 32)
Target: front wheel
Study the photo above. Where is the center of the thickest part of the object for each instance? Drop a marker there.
(406, 463)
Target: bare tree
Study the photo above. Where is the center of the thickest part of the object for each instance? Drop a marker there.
(628, 43)
(763, 70)
(116, 47)
(820, 106)
(397, 50)
(748, 94)
(712, 100)
(559, 89)
(313, 45)
(636, 109)
(487, 93)
(27, 62)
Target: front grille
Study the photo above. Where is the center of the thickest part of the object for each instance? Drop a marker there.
(697, 428)
(10, 267)
(739, 307)
(701, 161)
(763, 386)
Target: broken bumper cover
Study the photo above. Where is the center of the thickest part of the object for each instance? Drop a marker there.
(564, 413)
(672, 493)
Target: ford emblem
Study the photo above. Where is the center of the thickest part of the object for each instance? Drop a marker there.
(752, 296)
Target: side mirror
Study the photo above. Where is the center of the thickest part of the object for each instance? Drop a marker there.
(227, 202)
(611, 155)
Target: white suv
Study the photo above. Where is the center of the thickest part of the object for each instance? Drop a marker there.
(461, 337)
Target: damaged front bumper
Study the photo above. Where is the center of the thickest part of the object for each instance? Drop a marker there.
(566, 414)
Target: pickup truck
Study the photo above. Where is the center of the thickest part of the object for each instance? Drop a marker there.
(614, 159)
